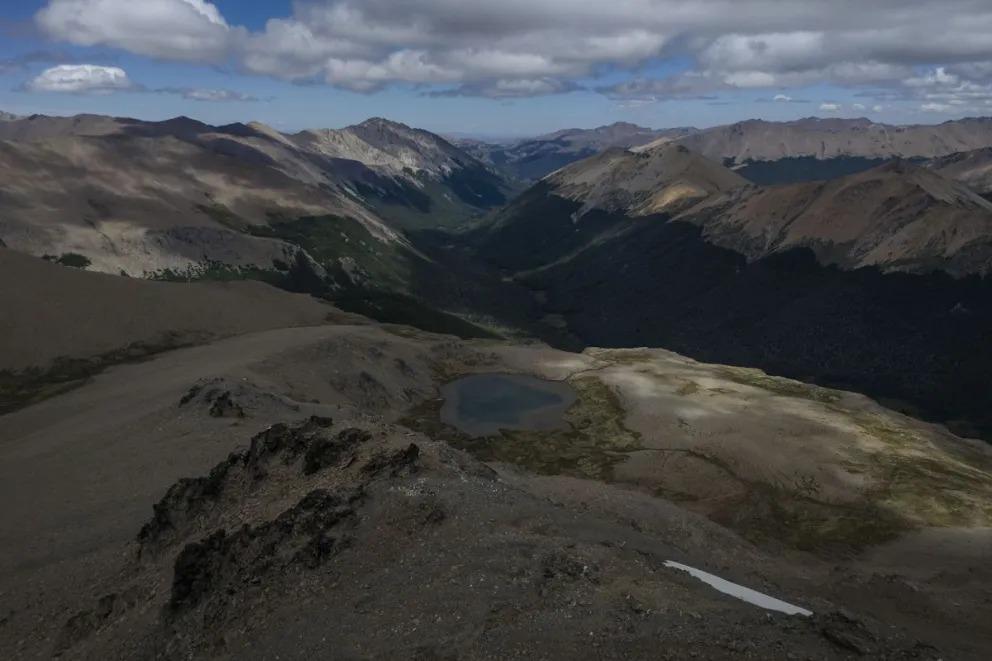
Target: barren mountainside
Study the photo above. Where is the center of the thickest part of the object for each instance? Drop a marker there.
(665, 178)
(536, 157)
(972, 168)
(897, 217)
(759, 140)
(181, 196)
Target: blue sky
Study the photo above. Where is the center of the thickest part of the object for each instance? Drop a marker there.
(497, 69)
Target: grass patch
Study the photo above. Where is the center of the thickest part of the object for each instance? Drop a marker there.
(594, 441)
(771, 514)
(778, 385)
(70, 259)
(932, 485)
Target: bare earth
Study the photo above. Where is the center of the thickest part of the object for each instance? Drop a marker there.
(371, 534)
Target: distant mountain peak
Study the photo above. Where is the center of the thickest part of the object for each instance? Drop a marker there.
(383, 123)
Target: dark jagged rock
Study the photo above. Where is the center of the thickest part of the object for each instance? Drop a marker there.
(847, 632)
(223, 564)
(185, 500)
(324, 452)
(224, 406)
(393, 462)
(282, 444)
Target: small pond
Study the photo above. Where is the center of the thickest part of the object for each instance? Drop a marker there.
(483, 404)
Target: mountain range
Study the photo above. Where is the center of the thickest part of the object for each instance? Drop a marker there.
(876, 281)
(238, 369)
(533, 158)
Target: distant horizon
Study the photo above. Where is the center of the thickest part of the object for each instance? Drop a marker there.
(517, 69)
(494, 137)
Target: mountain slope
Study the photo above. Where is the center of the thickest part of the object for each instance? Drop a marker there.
(662, 179)
(62, 313)
(972, 168)
(896, 217)
(587, 202)
(181, 198)
(871, 282)
(758, 140)
(409, 168)
(536, 157)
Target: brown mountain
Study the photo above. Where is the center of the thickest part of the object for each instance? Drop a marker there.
(759, 140)
(973, 168)
(664, 178)
(184, 197)
(534, 158)
(897, 217)
(876, 281)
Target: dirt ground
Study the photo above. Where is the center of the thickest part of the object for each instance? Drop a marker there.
(369, 531)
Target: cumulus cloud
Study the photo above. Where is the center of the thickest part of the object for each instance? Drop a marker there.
(97, 79)
(533, 47)
(81, 79)
(829, 107)
(191, 30)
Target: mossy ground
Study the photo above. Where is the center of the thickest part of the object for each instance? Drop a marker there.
(912, 483)
(594, 441)
(933, 485)
(779, 386)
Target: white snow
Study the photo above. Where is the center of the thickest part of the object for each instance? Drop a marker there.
(739, 591)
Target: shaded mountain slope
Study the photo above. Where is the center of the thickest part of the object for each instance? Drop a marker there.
(750, 277)
(56, 312)
(972, 168)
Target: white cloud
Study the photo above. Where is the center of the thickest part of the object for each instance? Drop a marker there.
(544, 46)
(936, 107)
(859, 106)
(877, 108)
(782, 98)
(81, 79)
(829, 107)
(173, 29)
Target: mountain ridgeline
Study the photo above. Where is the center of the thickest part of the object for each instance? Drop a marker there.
(843, 252)
(875, 281)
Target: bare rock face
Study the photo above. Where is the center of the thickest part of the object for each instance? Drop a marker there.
(278, 446)
(217, 567)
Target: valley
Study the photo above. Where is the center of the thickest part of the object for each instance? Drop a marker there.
(259, 386)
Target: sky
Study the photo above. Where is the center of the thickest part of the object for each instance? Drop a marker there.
(498, 68)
